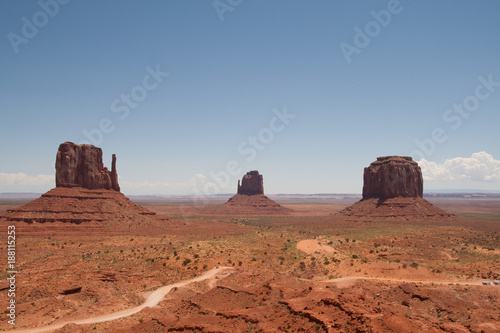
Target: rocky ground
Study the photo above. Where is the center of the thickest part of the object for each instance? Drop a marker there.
(296, 273)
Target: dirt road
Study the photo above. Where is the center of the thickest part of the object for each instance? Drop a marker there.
(152, 300)
(351, 279)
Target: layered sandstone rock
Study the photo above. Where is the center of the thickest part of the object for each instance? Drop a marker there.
(250, 199)
(251, 184)
(66, 210)
(393, 188)
(86, 194)
(81, 166)
(391, 177)
(400, 208)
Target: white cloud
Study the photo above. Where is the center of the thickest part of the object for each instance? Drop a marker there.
(480, 166)
(19, 182)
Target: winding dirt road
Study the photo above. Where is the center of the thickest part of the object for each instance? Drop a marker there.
(152, 300)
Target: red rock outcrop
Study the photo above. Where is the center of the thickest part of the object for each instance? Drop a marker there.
(400, 208)
(393, 188)
(76, 205)
(391, 177)
(81, 166)
(254, 204)
(251, 184)
(250, 199)
(268, 301)
(87, 195)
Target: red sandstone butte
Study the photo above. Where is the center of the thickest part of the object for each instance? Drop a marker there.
(86, 199)
(81, 166)
(250, 198)
(393, 188)
(251, 184)
(391, 177)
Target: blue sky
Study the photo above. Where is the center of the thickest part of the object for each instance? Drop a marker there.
(307, 92)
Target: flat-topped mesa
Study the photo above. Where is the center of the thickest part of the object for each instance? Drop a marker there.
(391, 177)
(251, 184)
(81, 166)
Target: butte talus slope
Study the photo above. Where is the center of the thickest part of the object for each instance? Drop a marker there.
(86, 195)
(393, 188)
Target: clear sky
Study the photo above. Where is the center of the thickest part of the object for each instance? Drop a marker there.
(307, 92)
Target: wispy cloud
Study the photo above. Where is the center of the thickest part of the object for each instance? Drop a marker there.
(480, 166)
(22, 182)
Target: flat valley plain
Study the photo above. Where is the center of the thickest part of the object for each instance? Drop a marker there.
(311, 271)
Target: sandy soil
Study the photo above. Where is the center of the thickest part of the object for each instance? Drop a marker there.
(311, 246)
(305, 272)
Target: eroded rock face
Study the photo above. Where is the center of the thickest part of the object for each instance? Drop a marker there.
(81, 166)
(393, 176)
(251, 184)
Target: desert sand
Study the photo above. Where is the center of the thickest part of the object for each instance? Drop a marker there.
(301, 272)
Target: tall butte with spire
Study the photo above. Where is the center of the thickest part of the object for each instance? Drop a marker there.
(81, 166)
(393, 188)
(86, 194)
